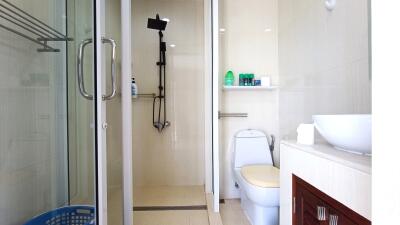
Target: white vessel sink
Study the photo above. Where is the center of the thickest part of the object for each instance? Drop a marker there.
(350, 132)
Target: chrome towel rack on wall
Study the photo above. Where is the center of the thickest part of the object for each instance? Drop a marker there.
(29, 27)
(152, 95)
(222, 115)
(149, 95)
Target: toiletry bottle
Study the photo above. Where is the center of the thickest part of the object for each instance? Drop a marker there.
(134, 89)
(241, 79)
(229, 78)
(246, 79)
(251, 79)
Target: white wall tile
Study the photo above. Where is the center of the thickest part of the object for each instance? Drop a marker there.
(323, 61)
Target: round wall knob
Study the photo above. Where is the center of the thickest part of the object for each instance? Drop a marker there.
(330, 4)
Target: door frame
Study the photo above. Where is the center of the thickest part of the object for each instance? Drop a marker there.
(215, 102)
(126, 101)
(126, 108)
(99, 117)
(212, 148)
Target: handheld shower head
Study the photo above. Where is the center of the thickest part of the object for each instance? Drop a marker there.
(156, 23)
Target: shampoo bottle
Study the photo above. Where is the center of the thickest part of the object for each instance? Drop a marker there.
(134, 89)
(229, 78)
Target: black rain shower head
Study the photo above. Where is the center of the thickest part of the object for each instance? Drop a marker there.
(156, 23)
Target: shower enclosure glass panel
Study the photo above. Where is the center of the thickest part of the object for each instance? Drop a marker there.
(47, 128)
(80, 110)
(33, 113)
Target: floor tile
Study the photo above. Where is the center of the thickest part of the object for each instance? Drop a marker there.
(232, 213)
(168, 196)
(181, 217)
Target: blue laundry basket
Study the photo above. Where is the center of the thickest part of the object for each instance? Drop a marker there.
(69, 215)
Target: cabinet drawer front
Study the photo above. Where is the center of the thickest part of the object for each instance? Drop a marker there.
(313, 207)
(338, 218)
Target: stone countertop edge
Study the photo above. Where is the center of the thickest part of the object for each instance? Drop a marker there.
(353, 160)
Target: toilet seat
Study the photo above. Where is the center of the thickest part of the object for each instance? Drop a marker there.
(265, 196)
(260, 204)
(266, 176)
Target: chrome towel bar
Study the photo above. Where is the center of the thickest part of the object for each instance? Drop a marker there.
(152, 95)
(241, 115)
(149, 95)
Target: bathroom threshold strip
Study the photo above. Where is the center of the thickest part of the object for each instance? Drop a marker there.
(167, 208)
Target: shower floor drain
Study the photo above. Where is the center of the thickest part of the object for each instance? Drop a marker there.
(165, 208)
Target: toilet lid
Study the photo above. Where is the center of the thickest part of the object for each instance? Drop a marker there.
(265, 176)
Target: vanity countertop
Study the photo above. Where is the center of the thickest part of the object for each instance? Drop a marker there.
(353, 160)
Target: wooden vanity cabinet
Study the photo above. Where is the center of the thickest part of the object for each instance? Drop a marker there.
(313, 207)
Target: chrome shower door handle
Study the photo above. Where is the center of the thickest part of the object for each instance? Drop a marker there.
(113, 68)
(81, 82)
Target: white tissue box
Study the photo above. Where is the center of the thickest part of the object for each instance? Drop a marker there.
(305, 134)
(265, 81)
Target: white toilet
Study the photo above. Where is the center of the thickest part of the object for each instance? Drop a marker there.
(258, 180)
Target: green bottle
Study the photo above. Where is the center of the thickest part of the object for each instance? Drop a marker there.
(229, 78)
(251, 79)
(241, 79)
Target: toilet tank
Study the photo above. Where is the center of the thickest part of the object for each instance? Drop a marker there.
(251, 147)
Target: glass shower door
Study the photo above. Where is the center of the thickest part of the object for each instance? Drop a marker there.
(92, 63)
(52, 120)
(81, 108)
(86, 105)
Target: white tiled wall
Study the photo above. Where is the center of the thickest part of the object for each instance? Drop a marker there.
(323, 61)
(32, 122)
(175, 156)
(246, 47)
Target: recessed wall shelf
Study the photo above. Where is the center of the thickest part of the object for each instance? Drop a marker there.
(249, 88)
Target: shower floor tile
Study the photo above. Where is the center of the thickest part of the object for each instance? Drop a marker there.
(169, 196)
(161, 196)
(174, 217)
